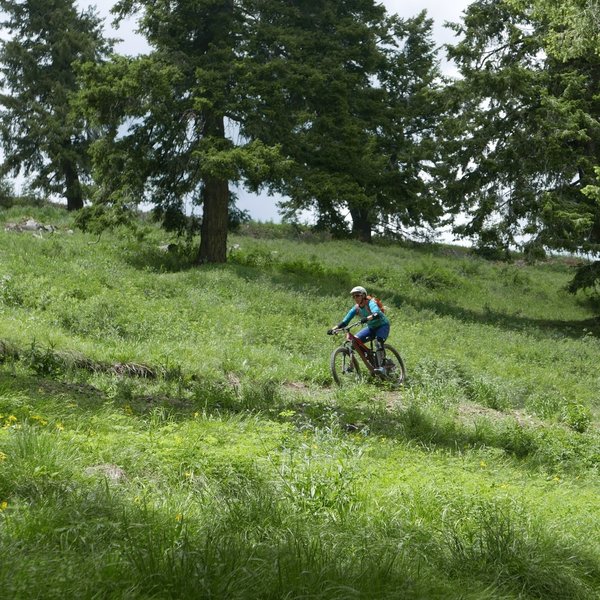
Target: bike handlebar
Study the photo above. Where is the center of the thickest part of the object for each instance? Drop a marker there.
(337, 330)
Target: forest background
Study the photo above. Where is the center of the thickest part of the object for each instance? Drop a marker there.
(342, 109)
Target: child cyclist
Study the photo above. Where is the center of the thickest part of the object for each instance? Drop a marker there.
(371, 314)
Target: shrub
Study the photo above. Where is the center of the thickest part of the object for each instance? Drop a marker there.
(43, 361)
(515, 277)
(433, 276)
(577, 416)
(518, 440)
(545, 404)
(258, 257)
(99, 317)
(486, 392)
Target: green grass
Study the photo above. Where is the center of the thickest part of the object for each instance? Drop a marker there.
(236, 469)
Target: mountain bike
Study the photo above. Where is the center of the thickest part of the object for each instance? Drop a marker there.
(382, 360)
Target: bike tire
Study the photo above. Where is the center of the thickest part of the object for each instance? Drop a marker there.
(397, 373)
(344, 366)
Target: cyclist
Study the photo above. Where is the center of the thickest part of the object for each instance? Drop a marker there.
(377, 324)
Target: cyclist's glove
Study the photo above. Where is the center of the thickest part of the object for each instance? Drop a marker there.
(364, 320)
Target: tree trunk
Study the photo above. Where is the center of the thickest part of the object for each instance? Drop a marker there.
(73, 191)
(213, 232)
(215, 211)
(361, 224)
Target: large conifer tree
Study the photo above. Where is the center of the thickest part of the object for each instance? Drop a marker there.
(174, 106)
(354, 93)
(40, 135)
(526, 136)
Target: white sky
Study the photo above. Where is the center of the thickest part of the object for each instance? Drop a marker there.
(439, 10)
(262, 207)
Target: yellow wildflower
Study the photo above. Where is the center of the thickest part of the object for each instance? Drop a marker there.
(3, 505)
(2, 456)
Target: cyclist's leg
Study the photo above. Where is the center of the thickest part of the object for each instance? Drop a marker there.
(364, 335)
(381, 334)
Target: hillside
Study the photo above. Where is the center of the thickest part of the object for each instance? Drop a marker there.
(168, 431)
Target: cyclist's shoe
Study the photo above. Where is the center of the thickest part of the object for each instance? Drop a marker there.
(380, 371)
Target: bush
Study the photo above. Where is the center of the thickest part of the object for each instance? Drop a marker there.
(577, 416)
(488, 393)
(433, 276)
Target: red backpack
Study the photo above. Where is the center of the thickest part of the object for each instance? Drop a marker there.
(379, 303)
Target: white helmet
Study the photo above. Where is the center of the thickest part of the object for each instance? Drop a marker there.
(359, 289)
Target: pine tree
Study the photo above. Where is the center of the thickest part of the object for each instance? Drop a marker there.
(39, 133)
(525, 138)
(351, 103)
(170, 110)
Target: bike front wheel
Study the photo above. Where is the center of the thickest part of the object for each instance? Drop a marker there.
(344, 366)
(395, 371)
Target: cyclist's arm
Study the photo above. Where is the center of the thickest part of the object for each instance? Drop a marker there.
(375, 310)
(349, 316)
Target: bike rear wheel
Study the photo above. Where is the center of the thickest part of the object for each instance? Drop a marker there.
(344, 366)
(394, 366)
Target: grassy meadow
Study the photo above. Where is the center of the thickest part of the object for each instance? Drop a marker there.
(169, 431)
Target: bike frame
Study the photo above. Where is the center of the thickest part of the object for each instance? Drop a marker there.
(355, 345)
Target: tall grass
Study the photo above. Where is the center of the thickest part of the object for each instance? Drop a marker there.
(169, 431)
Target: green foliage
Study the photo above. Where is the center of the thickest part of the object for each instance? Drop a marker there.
(39, 133)
(494, 538)
(7, 195)
(492, 394)
(104, 216)
(434, 276)
(237, 470)
(166, 112)
(359, 137)
(335, 104)
(586, 278)
(522, 131)
(9, 292)
(577, 416)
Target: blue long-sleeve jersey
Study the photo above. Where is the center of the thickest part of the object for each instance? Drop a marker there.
(371, 308)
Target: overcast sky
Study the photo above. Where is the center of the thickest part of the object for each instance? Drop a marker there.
(262, 207)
